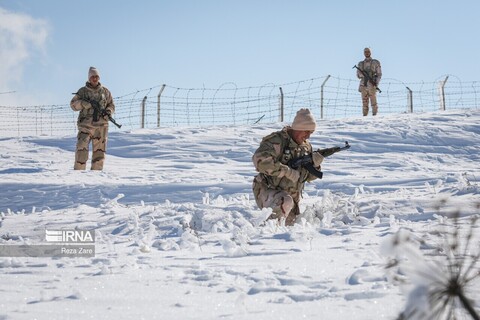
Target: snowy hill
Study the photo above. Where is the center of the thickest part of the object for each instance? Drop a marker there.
(178, 234)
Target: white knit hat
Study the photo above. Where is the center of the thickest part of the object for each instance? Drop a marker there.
(304, 121)
(93, 72)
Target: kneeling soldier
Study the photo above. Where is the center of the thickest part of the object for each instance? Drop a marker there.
(278, 186)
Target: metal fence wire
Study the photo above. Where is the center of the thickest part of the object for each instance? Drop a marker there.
(165, 106)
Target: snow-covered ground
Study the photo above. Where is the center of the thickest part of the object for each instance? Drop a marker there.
(178, 234)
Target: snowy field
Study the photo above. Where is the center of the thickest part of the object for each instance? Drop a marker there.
(178, 234)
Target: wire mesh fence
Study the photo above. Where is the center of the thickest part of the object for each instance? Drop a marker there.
(164, 106)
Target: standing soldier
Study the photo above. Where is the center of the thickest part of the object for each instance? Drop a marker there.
(278, 186)
(95, 104)
(369, 71)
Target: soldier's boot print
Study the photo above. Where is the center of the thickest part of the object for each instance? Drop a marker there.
(81, 151)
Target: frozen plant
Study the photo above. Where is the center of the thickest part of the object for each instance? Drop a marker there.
(442, 285)
(331, 209)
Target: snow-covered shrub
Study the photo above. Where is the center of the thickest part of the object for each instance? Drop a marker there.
(441, 280)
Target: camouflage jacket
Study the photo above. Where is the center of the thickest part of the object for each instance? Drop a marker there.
(374, 70)
(100, 94)
(271, 158)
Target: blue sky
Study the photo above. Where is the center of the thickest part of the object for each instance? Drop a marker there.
(49, 44)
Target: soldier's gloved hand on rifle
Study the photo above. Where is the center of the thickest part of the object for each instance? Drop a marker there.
(292, 174)
(106, 113)
(317, 159)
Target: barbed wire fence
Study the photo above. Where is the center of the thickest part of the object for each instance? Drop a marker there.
(165, 106)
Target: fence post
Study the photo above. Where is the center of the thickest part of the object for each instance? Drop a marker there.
(158, 105)
(36, 122)
(18, 122)
(41, 120)
(475, 95)
(143, 111)
(442, 94)
(321, 96)
(281, 104)
(410, 100)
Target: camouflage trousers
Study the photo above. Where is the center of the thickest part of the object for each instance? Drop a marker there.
(369, 93)
(98, 137)
(282, 203)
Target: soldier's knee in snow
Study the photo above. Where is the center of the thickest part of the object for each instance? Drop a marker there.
(288, 204)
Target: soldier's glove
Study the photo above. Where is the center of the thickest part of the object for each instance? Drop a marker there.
(292, 175)
(106, 113)
(86, 105)
(317, 159)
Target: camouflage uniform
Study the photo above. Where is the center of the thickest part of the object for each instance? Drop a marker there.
(373, 68)
(271, 188)
(88, 129)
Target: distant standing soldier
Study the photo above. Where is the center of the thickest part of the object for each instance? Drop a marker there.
(278, 186)
(368, 85)
(95, 104)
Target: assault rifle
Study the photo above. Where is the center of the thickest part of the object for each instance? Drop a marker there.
(307, 160)
(97, 110)
(368, 78)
